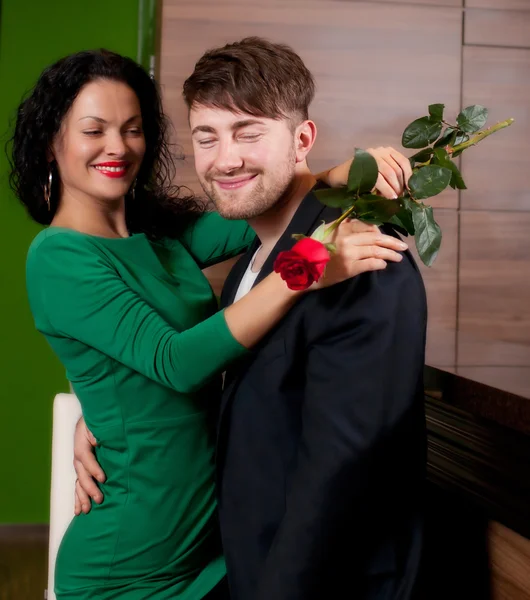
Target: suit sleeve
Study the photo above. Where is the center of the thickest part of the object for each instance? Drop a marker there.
(362, 374)
(75, 292)
(212, 239)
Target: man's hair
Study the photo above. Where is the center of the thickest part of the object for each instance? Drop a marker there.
(254, 76)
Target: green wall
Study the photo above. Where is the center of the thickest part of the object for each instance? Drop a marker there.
(33, 34)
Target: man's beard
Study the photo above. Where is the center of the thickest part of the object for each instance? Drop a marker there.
(256, 202)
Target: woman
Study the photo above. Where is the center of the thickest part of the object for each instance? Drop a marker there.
(116, 287)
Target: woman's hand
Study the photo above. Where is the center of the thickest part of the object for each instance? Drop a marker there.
(360, 248)
(394, 172)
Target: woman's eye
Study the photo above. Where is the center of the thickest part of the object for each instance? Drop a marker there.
(92, 132)
(135, 131)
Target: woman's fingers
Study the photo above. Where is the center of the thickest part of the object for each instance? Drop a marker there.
(371, 238)
(82, 500)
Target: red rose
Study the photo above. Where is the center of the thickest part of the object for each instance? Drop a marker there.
(304, 264)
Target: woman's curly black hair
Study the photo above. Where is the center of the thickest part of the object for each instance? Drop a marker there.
(158, 209)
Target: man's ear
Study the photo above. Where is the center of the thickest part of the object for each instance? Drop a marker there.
(305, 136)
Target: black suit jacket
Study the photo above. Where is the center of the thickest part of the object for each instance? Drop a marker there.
(321, 442)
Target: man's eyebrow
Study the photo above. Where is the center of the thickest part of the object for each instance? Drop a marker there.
(246, 122)
(237, 125)
(203, 128)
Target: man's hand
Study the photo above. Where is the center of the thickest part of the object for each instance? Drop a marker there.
(394, 172)
(87, 469)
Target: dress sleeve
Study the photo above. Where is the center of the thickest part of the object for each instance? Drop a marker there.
(76, 292)
(212, 239)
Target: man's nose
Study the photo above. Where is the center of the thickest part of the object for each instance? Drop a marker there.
(228, 157)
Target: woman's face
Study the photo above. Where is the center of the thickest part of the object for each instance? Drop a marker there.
(100, 146)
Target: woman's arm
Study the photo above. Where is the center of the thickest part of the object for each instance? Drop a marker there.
(211, 239)
(75, 292)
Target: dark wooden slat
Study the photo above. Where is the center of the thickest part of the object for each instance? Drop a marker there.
(485, 463)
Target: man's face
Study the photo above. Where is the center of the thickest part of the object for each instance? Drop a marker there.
(245, 164)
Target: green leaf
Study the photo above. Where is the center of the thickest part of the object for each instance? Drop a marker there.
(436, 111)
(472, 118)
(375, 209)
(335, 197)
(298, 236)
(429, 181)
(460, 138)
(421, 156)
(319, 233)
(428, 233)
(442, 158)
(403, 219)
(363, 173)
(447, 138)
(421, 133)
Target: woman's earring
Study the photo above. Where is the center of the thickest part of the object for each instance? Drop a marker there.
(48, 190)
(133, 189)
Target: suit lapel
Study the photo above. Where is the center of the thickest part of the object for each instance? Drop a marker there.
(305, 221)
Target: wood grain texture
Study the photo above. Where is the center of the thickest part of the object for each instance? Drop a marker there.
(509, 562)
(510, 28)
(359, 52)
(511, 379)
(496, 171)
(422, 2)
(499, 4)
(494, 306)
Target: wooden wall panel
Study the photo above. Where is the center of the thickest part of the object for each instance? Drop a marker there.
(494, 291)
(510, 28)
(496, 171)
(359, 52)
(499, 4)
(424, 2)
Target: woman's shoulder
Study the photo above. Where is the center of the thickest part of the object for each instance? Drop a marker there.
(54, 242)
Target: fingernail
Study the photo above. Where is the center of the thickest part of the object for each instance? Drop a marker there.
(403, 245)
(85, 506)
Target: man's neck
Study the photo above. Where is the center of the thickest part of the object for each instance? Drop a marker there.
(270, 226)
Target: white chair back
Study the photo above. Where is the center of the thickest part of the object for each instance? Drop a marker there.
(66, 413)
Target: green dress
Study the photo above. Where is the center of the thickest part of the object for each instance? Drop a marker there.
(135, 324)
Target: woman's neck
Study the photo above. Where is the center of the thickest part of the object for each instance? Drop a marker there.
(88, 215)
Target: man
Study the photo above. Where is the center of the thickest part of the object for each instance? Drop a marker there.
(321, 435)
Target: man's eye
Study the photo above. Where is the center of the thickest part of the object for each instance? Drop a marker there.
(208, 142)
(250, 137)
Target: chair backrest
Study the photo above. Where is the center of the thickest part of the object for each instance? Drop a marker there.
(66, 413)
